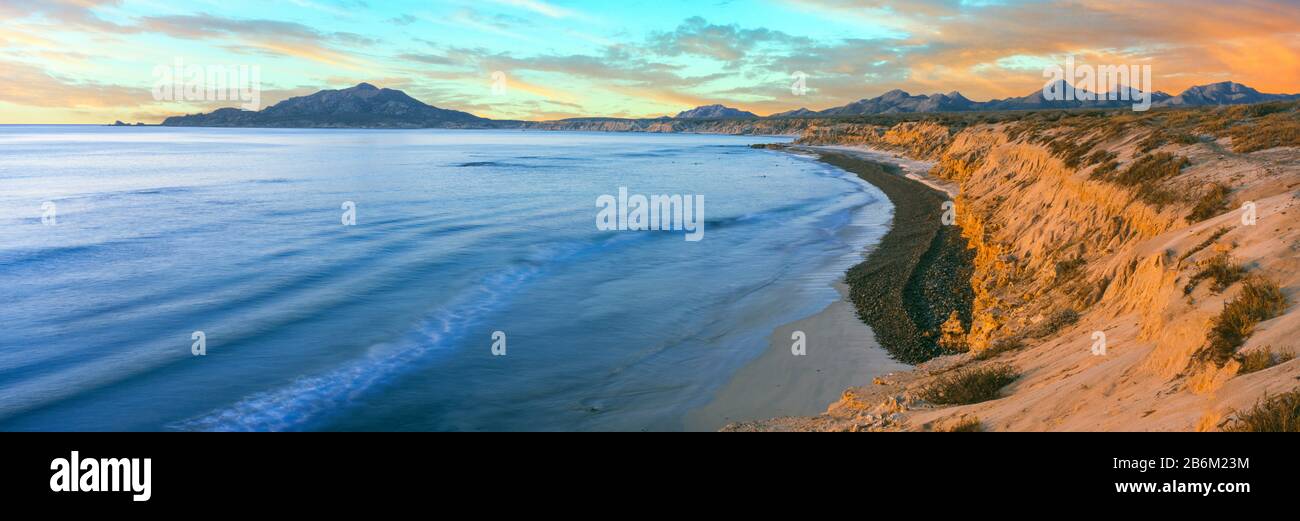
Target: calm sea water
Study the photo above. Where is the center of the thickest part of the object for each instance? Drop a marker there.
(388, 324)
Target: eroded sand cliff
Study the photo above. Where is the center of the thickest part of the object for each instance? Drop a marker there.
(1093, 231)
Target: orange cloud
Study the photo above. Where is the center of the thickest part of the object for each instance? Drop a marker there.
(1186, 42)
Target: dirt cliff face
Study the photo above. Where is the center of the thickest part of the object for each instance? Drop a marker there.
(1106, 249)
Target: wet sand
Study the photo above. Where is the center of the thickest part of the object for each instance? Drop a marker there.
(841, 352)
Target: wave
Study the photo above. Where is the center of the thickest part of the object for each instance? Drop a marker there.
(499, 164)
(312, 398)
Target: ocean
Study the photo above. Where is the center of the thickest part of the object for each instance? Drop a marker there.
(398, 279)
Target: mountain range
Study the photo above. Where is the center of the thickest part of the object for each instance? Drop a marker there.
(897, 101)
(367, 106)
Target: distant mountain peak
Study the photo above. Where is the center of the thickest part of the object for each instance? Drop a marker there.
(715, 111)
(360, 106)
(1222, 93)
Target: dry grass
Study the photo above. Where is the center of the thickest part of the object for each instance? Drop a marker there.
(1280, 413)
(1214, 202)
(1221, 269)
(1261, 359)
(967, 386)
(1206, 243)
(1104, 170)
(1161, 137)
(1274, 130)
(1151, 168)
(1146, 173)
(1260, 300)
(1100, 157)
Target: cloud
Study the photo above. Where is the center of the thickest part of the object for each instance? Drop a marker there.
(271, 36)
(959, 45)
(33, 86)
(539, 7)
(404, 19)
(78, 14)
(696, 36)
(428, 59)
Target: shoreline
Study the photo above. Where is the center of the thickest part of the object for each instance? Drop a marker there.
(914, 169)
(918, 274)
(841, 352)
(879, 324)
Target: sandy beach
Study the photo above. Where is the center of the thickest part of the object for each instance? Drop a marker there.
(842, 350)
(914, 169)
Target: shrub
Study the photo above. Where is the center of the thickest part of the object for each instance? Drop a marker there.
(1221, 269)
(1280, 413)
(1261, 359)
(966, 386)
(1260, 300)
(1213, 203)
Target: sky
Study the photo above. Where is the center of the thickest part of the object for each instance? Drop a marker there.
(96, 61)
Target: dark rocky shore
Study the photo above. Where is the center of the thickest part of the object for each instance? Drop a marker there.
(917, 275)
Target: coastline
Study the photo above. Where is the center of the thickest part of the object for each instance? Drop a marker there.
(918, 274)
(883, 321)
